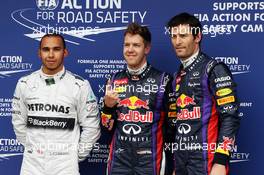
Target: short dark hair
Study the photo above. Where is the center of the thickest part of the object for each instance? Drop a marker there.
(143, 31)
(186, 19)
(53, 35)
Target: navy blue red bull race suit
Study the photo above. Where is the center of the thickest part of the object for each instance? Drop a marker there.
(137, 143)
(203, 115)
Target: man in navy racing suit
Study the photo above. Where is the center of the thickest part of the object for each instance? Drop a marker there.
(203, 110)
(135, 101)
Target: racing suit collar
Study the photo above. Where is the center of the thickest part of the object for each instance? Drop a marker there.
(138, 71)
(52, 79)
(189, 60)
(141, 75)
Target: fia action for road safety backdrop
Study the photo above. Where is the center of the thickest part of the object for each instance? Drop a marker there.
(233, 33)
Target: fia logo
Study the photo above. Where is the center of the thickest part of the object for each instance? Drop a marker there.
(47, 4)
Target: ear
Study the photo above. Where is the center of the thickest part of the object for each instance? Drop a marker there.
(39, 53)
(198, 38)
(147, 48)
(65, 52)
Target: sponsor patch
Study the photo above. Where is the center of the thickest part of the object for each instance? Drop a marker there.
(223, 92)
(172, 114)
(105, 118)
(120, 89)
(136, 116)
(50, 122)
(224, 84)
(173, 106)
(225, 100)
(186, 114)
(121, 81)
(221, 79)
(177, 87)
(185, 100)
(133, 103)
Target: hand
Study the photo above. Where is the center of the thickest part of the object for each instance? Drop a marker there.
(111, 97)
(218, 169)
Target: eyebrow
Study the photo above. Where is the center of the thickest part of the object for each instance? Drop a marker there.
(56, 47)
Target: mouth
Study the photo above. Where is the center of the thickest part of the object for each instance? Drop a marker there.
(130, 56)
(179, 48)
(51, 62)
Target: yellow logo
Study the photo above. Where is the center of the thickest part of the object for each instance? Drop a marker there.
(173, 106)
(225, 100)
(223, 92)
(120, 89)
(177, 87)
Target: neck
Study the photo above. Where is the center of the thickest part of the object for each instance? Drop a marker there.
(188, 61)
(137, 71)
(51, 72)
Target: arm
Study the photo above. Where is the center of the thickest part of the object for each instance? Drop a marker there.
(87, 109)
(19, 113)
(224, 92)
(108, 113)
(170, 128)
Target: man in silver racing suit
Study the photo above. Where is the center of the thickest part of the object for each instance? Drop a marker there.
(55, 114)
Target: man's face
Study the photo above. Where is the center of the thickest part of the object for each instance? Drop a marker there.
(52, 54)
(135, 51)
(184, 43)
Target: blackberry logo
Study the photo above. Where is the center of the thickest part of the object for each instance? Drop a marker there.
(47, 4)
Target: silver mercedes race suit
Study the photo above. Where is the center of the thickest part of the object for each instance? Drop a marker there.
(56, 119)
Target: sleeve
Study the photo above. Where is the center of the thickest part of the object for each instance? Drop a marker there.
(108, 113)
(224, 92)
(169, 103)
(88, 118)
(19, 113)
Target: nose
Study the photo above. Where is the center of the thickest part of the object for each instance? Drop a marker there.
(130, 48)
(177, 41)
(51, 53)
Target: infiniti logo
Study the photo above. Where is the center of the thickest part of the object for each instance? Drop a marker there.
(151, 80)
(131, 129)
(228, 107)
(195, 74)
(184, 128)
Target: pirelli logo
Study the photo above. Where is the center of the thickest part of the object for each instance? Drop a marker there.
(225, 100)
(50, 122)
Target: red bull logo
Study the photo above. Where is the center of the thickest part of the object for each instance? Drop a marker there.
(105, 118)
(184, 100)
(133, 103)
(185, 114)
(135, 116)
